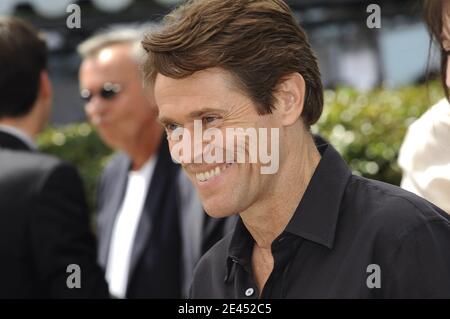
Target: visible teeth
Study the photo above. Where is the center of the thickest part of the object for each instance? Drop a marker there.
(203, 177)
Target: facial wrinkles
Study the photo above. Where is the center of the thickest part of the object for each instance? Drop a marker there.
(242, 115)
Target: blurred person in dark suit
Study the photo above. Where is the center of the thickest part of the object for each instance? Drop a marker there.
(151, 225)
(44, 220)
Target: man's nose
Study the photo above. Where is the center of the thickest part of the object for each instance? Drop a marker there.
(187, 147)
(95, 106)
(95, 109)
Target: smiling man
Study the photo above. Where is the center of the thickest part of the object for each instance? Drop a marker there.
(311, 229)
(151, 226)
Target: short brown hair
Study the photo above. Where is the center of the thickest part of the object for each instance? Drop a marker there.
(258, 41)
(23, 55)
(433, 15)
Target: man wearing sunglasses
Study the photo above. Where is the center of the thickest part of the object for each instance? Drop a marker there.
(151, 226)
(107, 91)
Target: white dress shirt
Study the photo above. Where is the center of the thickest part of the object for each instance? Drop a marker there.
(21, 135)
(425, 156)
(126, 223)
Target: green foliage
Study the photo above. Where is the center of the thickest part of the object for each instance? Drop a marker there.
(366, 128)
(80, 145)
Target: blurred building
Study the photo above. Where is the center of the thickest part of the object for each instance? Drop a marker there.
(350, 53)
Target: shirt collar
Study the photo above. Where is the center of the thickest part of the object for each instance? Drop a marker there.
(240, 246)
(19, 134)
(316, 216)
(315, 219)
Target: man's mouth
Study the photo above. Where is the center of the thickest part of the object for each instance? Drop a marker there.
(207, 175)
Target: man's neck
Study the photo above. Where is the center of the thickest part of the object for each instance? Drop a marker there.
(22, 125)
(143, 147)
(268, 218)
(18, 134)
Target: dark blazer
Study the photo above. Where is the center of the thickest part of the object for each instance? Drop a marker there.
(44, 227)
(173, 231)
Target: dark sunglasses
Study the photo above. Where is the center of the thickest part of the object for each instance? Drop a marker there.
(108, 92)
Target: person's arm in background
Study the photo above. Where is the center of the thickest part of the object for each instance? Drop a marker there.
(425, 154)
(61, 236)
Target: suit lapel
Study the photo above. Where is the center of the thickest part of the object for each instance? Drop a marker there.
(111, 208)
(163, 173)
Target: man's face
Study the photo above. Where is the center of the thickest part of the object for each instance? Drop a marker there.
(122, 117)
(208, 96)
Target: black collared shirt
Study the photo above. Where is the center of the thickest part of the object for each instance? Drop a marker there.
(350, 237)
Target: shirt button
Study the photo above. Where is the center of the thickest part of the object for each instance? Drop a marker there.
(249, 292)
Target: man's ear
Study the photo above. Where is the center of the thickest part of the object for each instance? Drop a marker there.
(45, 87)
(44, 101)
(290, 96)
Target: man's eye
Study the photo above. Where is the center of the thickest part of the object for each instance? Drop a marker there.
(208, 119)
(171, 127)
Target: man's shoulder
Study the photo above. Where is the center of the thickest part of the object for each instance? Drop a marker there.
(391, 209)
(32, 174)
(116, 161)
(24, 163)
(405, 235)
